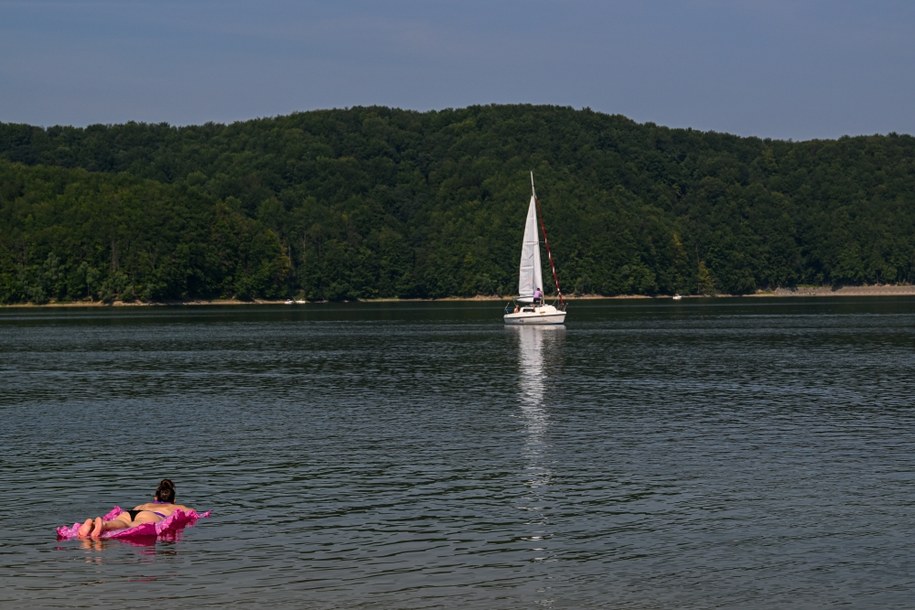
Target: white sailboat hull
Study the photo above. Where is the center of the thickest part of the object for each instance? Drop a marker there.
(540, 314)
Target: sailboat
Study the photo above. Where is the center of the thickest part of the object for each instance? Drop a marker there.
(529, 306)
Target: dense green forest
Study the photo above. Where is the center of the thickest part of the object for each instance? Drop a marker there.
(378, 202)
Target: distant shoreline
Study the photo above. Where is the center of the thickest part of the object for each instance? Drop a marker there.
(880, 290)
(904, 290)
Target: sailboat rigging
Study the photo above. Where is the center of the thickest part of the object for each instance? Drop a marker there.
(529, 306)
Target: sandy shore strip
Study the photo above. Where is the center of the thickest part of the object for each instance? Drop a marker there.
(887, 290)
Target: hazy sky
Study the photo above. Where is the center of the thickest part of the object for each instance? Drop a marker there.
(787, 69)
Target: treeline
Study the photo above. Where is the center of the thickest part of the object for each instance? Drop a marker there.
(378, 202)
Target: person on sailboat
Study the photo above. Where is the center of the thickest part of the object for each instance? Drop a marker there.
(538, 297)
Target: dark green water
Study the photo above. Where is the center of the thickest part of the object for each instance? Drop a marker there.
(739, 453)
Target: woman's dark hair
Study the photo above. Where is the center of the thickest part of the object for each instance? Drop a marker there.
(166, 491)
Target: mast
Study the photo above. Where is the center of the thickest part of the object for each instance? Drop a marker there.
(546, 243)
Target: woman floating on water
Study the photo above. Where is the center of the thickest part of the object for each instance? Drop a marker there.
(162, 507)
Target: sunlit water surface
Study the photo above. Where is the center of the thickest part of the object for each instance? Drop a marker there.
(740, 453)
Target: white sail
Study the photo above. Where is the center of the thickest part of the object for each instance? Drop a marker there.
(530, 272)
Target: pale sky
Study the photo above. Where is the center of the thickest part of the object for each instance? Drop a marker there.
(785, 69)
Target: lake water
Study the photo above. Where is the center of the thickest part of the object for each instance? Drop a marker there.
(734, 453)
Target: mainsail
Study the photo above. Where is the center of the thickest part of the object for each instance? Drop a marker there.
(530, 272)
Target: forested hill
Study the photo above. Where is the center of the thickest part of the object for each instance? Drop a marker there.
(378, 202)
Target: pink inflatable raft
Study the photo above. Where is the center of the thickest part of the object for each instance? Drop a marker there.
(167, 529)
